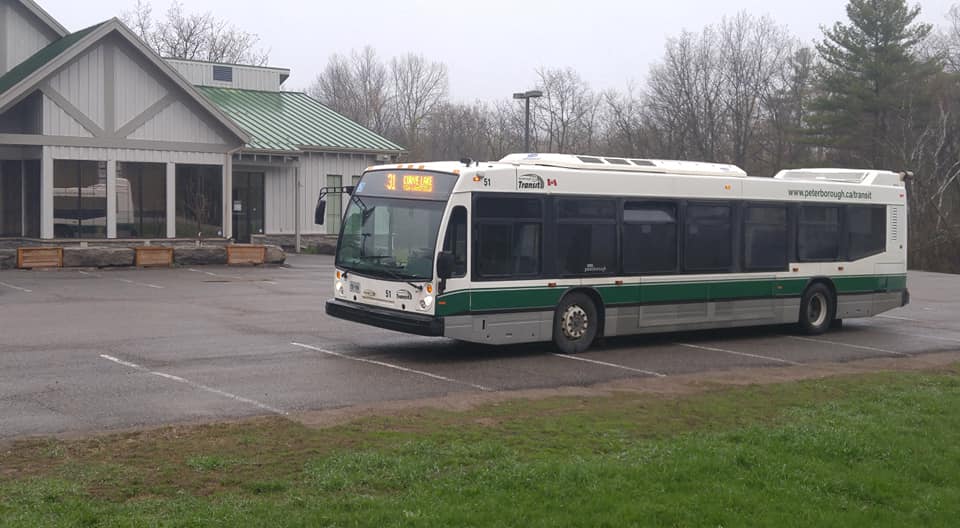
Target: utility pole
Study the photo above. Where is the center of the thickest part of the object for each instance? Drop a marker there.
(526, 96)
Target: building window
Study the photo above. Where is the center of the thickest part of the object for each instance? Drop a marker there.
(223, 73)
(708, 241)
(508, 236)
(31, 198)
(649, 237)
(79, 199)
(199, 200)
(141, 200)
(866, 230)
(11, 199)
(765, 238)
(334, 204)
(818, 235)
(587, 236)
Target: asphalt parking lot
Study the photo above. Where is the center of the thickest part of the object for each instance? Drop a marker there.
(93, 350)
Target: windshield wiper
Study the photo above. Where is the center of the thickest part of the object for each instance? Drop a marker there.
(398, 276)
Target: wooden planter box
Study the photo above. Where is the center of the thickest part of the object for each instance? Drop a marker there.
(145, 256)
(246, 254)
(39, 257)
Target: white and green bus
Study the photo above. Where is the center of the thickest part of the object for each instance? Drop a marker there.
(541, 247)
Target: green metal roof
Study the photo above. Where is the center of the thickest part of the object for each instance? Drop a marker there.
(39, 59)
(292, 121)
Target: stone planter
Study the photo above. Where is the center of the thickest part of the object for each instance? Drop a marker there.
(97, 257)
(199, 256)
(8, 259)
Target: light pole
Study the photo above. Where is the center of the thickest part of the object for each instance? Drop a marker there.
(526, 96)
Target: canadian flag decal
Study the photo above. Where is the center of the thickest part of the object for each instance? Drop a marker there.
(551, 182)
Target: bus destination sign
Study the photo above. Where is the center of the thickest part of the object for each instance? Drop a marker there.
(419, 183)
(409, 184)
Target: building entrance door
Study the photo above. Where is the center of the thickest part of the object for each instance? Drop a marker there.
(247, 205)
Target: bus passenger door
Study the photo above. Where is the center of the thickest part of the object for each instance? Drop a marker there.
(453, 301)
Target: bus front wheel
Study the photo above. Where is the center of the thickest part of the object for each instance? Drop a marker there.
(575, 323)
(817, 309)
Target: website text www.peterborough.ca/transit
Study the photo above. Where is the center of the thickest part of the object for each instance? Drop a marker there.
(824, 193)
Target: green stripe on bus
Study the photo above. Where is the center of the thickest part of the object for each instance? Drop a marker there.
(507, 299)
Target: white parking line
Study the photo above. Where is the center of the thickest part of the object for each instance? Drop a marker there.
(734, 352)
(18, 288)
(126, 281)
(838, 343)
(613, 365)
(148, 285)
(390, 365)
(194, 385)
(921, 336)
(212, 274)
(885, 316)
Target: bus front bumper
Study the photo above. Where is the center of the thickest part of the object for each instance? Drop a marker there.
(423, 325)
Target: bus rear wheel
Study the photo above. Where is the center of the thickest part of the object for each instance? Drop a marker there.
(575, 323)
(817, 309)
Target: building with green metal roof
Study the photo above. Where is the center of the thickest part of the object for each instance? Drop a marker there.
(101, 139)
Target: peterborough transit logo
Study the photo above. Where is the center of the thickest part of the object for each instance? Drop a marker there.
(825, 193)
(533, 182)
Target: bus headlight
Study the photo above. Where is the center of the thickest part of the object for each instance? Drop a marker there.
(426, 302)
(339, 288)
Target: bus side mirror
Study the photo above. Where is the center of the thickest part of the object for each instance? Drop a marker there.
(318, 214)
(445, 264)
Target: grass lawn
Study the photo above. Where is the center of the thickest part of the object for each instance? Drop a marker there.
(869, 450)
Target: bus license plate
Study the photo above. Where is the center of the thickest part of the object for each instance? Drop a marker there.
(354, 287)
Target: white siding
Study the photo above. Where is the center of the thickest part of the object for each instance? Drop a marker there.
(135, 89)
(56, 122)
(21, 35)
(81, 83)
(314, 169)
(149, 156)
(244, 77)
(177, 122)
(278, 200)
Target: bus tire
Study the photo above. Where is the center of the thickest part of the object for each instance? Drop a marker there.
(817, 309)
(575, 323)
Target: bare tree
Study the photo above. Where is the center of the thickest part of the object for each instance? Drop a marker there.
(623, 123)
(566, 114)
(194, 36)
(419, 88)
(456, 131)
(506, 123)
(685, 96)
(358, 87)
(753, 54)
(780, 133)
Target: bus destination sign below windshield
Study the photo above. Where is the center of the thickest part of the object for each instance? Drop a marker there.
(418, 183)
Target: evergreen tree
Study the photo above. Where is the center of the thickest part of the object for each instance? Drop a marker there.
(869, 76)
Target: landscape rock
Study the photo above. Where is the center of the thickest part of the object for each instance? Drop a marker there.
(275, 255)
(199, 256)
(323, 246)
(8, 258)
(97, 257)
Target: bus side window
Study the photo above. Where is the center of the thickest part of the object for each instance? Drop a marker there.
(866, 230)
(455, 241)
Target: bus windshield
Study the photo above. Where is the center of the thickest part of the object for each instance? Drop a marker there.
(391, 238)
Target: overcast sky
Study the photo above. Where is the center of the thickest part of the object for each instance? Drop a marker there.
(492, 47)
